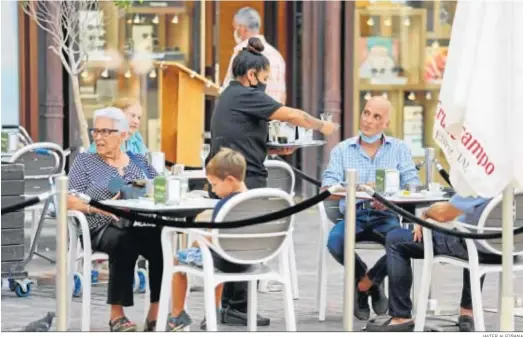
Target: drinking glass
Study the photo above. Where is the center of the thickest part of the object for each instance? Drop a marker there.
(326, 116)
(204, 152)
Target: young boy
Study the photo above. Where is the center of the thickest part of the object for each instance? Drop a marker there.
(226, 174)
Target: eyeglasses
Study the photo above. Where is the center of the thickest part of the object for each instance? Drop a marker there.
(103, 132)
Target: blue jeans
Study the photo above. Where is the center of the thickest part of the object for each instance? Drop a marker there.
(371, 225)
(401, 247)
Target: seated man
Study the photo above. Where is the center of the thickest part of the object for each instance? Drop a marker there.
(369, 151)
(403, 245)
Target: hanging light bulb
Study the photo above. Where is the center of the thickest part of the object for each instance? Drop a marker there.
(406, 21)
(105, 73)
(127, 73)
(412, 96)
(175, 19)
(435, 44)
(137, 19)
(152, 74)
(428, 96)
(368, 96)
(156, 19)
(370, 22)
(129, 21)
(385, 95)
(387, 22)
(84, 74)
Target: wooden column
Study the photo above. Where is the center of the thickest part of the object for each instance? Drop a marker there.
(348, 65)
(52, 109)
(312, 70)
(28, 42)
(332, 72)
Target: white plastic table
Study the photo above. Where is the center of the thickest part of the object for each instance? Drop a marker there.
(187, 206)
(414, 198)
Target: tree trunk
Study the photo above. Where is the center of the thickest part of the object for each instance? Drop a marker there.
(82, 122)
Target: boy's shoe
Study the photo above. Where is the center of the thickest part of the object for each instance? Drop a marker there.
(179, 322)
(190, 256)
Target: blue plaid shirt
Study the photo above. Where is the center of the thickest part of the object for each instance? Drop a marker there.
(393, 154)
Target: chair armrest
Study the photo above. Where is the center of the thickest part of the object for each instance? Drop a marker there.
(82, 220)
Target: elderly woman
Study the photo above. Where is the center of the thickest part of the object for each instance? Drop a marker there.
(133, 110)
(91, 174)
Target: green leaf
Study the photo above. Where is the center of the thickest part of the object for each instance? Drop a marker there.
(125, 4)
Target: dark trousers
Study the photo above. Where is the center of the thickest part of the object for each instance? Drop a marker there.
(235, 293)
(371, 225)
(401, 247)
(123, 247)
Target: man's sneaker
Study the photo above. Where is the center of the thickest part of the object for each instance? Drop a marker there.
(219, 318)
(235, 317)
(361, 305)
(179, 322)
(380, 303)
(387, 327)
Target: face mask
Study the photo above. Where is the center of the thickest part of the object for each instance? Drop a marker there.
(260, 86)
(237, 38)
(372, 139)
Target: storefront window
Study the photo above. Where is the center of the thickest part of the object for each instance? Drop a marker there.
(137, 41)
(400, 53)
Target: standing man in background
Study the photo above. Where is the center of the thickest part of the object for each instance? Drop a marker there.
(246, 24)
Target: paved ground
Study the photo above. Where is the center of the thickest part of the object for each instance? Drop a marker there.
(16, 312)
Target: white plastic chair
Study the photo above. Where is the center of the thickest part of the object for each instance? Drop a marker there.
(329, 215)
(77, 225)
(251, 245)
(490, 221)
(281, 176)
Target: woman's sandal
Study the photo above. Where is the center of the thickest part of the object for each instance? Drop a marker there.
(122, 324)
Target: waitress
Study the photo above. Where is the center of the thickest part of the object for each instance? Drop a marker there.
(239, 122)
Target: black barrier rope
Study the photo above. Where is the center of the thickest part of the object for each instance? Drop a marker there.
(221, 225)
(444, 174)
(302, 174)
(414, 219)
(316, 182)
(26, 203)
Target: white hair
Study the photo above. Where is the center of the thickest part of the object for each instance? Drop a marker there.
(121, 123)
(248, 17)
